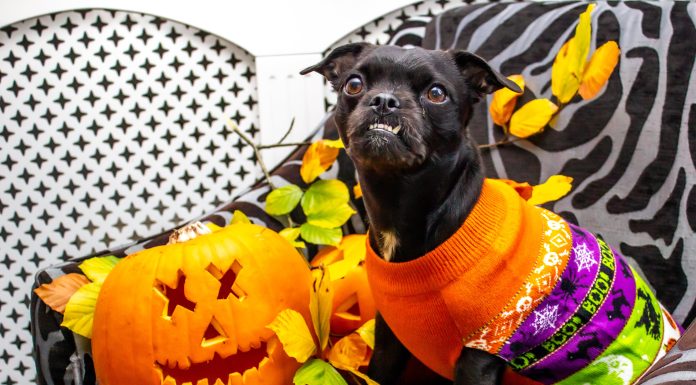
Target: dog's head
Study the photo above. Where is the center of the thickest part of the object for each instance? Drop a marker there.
(399, 107)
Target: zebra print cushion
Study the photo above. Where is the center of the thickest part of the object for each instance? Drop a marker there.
(631, 150)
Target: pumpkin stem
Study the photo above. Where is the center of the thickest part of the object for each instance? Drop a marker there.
(188, 232)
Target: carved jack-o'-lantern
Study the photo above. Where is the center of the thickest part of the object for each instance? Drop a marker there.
(353, 303)
(195, 311)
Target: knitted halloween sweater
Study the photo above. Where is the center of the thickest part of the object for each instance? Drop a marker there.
(551, 299)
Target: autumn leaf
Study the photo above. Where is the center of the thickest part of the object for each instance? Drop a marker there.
(504, 100)
(240, 217)
(569, 63)
(357, 191)
(283, 200)
(321, 304)
(293, 333)
(598, 69)
(367, 333)
(580, 45)
(57, 293)
(350, 352)
(79, 311)
(532, 117)
(333, 143)
(317, 372)
(291, 234)
(523, 189)
(319, 157)
(98, 268)
(556, 187)
(564, 84)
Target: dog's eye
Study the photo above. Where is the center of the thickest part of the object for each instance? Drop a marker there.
(353, 86)
(437, 94)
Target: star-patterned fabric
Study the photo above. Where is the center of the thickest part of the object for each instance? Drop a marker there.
(111, 129)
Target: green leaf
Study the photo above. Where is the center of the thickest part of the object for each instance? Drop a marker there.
(283, 200)
(240, 217)
(318, 372)
(79, 312)
(324, 195)
(320, 235)
(98, 268)
(334, 217)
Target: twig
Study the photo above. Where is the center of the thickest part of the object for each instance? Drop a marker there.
(292, 124)
(248, 140)
(265, 146)
(501, 143)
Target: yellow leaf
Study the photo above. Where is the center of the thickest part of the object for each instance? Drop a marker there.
(367, 333)
(344, 257)
(79, 311)
(321, 304)
(57, 293)
(504, 101)
(564, 84)
(97, 268)
(532, 117)
(556, 187)
(291, 234)
(334, 143)
(580, 44)
(599, 68)
(213, 227)
(350, 352)
(293, 333)
(318, 158)
(239, 217)
(357, 191)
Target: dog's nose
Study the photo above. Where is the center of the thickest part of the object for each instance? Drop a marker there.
(384, 103)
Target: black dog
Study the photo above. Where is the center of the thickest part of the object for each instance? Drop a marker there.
(402, 115)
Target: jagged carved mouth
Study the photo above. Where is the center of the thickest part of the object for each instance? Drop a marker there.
(236, 369)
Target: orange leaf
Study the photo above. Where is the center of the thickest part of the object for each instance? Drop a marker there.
(532, 117)
(555, 188)
(598, 69)
(504, 101)
(57, 293)
(523, 189)
(350, 352)
(318, 158)
(357, 191)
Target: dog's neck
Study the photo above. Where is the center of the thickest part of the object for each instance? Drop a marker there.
(412, 214)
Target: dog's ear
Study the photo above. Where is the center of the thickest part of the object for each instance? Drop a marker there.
(480, 75)
(338, 61)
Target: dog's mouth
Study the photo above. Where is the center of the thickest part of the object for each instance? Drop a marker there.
(385, 127)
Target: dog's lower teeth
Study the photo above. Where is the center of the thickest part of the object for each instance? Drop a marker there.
(385, 127)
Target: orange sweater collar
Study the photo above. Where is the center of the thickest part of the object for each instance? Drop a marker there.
(490, 230)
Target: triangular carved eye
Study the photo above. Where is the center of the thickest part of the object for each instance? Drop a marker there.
(228, 281)
(213, 334)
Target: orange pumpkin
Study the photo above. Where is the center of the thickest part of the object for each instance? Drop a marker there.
(195, 311)
(353, 303)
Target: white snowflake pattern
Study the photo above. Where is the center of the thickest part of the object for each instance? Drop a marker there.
(584, 257)
(545, 319)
